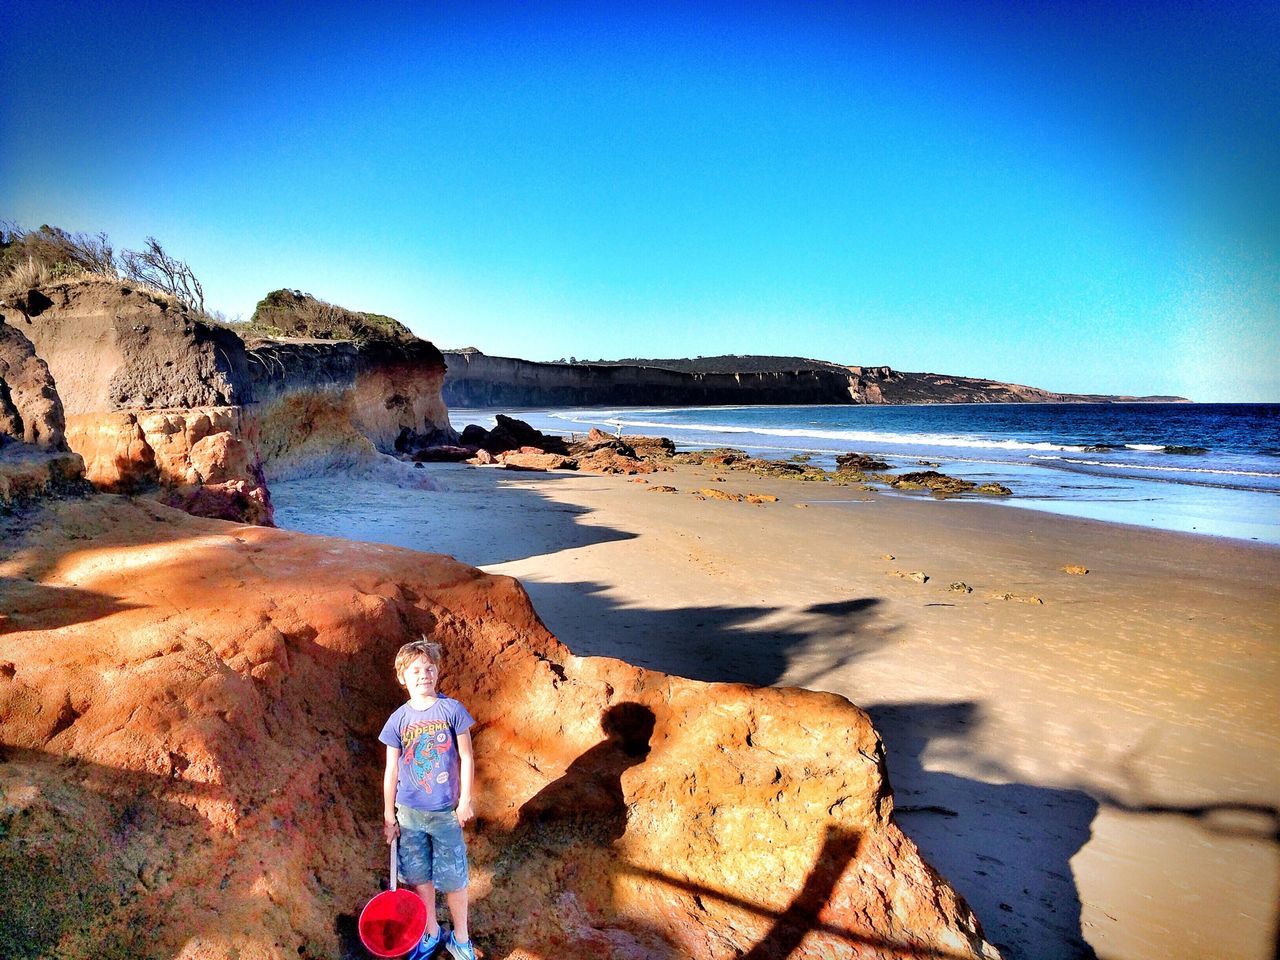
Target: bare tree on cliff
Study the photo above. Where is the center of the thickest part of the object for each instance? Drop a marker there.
(155, 268)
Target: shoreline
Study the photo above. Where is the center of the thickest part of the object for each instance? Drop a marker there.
(1186, 494)
(1099, 768)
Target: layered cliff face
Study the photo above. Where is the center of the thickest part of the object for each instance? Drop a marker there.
(155, 397)
(214, 773)
(479, 380)
(110, 346)
(322, 404)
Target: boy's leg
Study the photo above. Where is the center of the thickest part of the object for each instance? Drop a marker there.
(427, 891)
(416, 864)
(458, 906)
(449, 869)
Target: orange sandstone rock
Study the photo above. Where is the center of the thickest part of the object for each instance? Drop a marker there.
(536, 461)
(189, 712)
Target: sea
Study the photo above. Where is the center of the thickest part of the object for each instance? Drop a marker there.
(1203, 468)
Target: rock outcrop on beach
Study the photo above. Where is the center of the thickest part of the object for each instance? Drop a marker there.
(189, 713)
(479, 380)
(154, 397)
(515, 445)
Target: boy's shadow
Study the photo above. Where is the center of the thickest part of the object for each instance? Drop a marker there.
(557, 866)
(587, 804)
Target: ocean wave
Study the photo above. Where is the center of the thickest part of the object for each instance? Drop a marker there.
(849, 436)
(1157, 467)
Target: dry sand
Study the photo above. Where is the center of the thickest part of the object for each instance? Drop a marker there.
(1095, 773)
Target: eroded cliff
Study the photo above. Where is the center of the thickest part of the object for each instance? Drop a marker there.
(151, 396)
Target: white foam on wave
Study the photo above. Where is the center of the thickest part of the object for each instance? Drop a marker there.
(1158, 467)
(849, 436)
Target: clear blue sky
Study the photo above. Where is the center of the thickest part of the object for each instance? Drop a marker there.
(1079, 196)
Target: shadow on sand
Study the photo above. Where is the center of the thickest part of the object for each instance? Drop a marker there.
(472, 499)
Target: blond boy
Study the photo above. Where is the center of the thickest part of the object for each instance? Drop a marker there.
(426, 794)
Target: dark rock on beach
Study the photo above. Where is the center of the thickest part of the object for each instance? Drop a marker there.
(859, 463)
(931, 480)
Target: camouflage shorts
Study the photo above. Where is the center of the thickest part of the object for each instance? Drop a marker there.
(432, 849)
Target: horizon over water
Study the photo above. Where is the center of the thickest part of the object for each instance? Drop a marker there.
(1210, 469)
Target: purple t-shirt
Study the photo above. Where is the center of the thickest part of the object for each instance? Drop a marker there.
(428, 778)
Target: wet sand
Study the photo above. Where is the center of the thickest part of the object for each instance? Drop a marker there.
(1096, 773)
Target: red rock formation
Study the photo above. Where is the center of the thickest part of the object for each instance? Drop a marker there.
(151, 394)
(324, 403)
(203, 458)
(189, 712)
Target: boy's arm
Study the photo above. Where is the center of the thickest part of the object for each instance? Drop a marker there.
(390, 828)
(466, 763)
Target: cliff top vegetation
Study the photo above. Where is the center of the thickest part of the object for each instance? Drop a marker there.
(31, 258)
(292, 313)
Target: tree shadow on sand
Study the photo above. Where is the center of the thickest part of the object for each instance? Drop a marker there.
(1006, 847)
(695, 642)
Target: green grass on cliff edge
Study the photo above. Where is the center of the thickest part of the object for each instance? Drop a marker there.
(292, 313)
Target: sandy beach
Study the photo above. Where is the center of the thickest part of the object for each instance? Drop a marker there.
(1090, 759)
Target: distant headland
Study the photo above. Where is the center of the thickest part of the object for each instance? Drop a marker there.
(476, 379)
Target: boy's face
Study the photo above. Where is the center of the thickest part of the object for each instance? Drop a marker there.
(420, 676)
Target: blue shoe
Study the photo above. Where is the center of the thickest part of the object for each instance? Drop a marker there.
(426, 946)
(459, 951)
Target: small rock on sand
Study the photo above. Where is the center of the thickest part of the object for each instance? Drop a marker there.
(1019, 598)
(1075, 569)
(661, 488)
(960, 586)
(887, 556)
(712, 494)
(915, 575)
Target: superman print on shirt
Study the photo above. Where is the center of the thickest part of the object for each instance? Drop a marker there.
(428, 745)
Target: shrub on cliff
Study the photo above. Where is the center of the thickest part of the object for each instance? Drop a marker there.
(31, 258)
(292, 313)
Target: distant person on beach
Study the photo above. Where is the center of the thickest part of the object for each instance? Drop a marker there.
(426, 794)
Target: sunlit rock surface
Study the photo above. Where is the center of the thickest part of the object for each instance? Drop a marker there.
(189, 713)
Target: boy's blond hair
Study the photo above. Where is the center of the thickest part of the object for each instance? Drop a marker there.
(414, 649)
